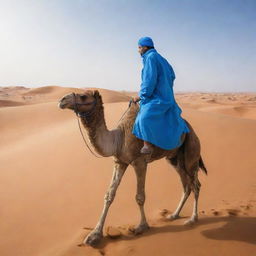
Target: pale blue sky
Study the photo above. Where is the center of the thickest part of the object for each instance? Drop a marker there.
(211, 44)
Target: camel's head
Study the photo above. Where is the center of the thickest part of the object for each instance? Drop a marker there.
(80, 102)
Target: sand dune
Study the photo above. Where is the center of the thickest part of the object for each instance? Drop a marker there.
(53, 92)
(10, 103)
(241, 105)
(52, 187)
(56, 92)
(13, 96)
(10, 96)
(248, 112)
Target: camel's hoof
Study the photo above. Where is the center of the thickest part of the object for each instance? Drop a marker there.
(172, 217)
(93, 238)
(191, 221)
(140, 229)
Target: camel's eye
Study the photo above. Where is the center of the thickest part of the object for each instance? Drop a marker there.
(83, 97)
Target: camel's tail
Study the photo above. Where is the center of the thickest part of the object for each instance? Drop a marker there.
(202, 166)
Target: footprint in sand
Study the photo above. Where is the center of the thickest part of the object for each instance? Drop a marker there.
(233, 212)
(164, 212)
(113, 232)
(226, 212)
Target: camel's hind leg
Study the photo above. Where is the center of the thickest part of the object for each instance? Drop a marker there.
(186, 187)
(190, 183)
(187, 163)
(195, 186)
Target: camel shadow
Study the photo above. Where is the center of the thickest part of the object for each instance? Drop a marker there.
(234, 228)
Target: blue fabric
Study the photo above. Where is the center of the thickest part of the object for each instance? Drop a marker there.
(159, 119)
(146, 41)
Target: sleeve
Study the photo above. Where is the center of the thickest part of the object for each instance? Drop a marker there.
(149, 78)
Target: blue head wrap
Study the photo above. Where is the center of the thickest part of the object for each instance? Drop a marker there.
(146, 41)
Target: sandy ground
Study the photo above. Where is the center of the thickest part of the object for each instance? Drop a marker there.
(52, 188)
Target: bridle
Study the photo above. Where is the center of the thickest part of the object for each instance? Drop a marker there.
(84, 114)
(87, 114)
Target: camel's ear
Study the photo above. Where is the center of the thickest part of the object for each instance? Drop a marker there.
(96, 94)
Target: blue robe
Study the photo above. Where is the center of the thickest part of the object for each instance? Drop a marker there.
(159, 119)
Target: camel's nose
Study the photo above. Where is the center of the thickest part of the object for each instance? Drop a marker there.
(64, 101)
(61, 105)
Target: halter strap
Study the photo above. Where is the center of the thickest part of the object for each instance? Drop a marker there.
(84, 114)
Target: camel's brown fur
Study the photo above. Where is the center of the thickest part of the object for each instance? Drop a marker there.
(124, 147)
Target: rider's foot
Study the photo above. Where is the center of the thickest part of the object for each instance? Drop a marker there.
(146, 149)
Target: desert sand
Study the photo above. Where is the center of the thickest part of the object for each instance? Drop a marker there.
(52, 188)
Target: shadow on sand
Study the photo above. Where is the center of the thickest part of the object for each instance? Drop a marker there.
(234, 228)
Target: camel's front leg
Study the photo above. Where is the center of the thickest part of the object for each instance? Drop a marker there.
(94, 237)
(140, 168)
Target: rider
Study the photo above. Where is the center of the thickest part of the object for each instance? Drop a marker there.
(159, 120)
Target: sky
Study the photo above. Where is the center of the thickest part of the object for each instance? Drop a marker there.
(211, 44)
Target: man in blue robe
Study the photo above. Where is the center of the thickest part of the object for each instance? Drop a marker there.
(159, 120)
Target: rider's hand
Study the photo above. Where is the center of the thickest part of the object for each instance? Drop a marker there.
(136, 99)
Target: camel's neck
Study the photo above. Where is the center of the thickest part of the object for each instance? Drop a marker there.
(105, 142)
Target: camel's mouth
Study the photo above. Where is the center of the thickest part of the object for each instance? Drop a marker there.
(62, 105)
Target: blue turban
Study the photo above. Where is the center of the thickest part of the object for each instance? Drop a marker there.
(146, 41)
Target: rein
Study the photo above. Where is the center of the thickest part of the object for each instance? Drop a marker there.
(130, 102)
(86, 115)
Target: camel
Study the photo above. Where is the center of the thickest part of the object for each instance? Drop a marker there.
(125, 147)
